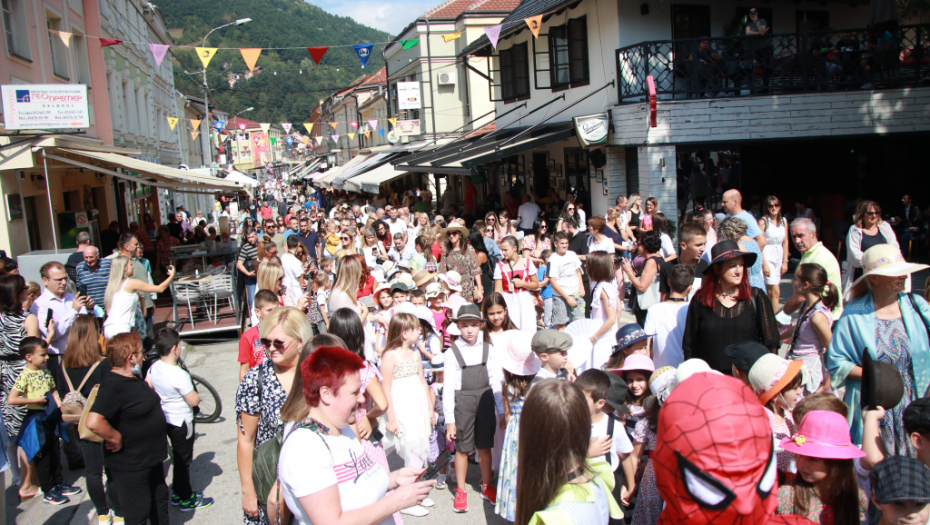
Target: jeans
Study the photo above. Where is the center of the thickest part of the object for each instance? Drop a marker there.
(93, 474)
(48, 459)
(250, 285)
(547, 312)
(183, 448)
(145, 494)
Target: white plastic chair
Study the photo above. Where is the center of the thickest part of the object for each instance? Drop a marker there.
(191, 294)
(221, 287)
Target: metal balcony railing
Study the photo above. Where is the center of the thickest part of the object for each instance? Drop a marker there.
(848, 59)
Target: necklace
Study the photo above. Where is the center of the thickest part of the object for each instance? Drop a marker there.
(726, 295)
(678, 299)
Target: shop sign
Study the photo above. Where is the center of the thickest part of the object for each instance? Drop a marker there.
(408, 95)
(407, 127)
(45, 106)
(592, 129)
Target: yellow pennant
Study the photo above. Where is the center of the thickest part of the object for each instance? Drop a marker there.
(309, 126)
(393, 121)
(205, 54)
(65, 37)
(351, 135)
(195, 123)
(172, 121)
(367, 134)
(451, 37)
(265, 126)
(250, 55)
(194, 135)
(333, 124)
(535, 23)
(306, 140)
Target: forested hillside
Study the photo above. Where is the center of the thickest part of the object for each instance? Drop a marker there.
(289, 95)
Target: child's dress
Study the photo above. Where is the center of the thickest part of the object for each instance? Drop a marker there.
(437, 440)
(412, 411)
(520, 307)
(506, 505)
(648, 502)
(784, 459)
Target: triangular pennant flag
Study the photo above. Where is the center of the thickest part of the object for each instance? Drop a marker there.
(172, 121)
(354, 124)
(316, 53)
(104, 42)
(195, 123)
(206, 54)
(381, 131)
(309, 126)
(286, 126)
(335, 138)
(351, 136)
(65, 37)
(407, 44)
(250, 55)
(494, 33)
(333, 124)
(290, 140)
(194, 135)
(241, 126)
(373, 124)
(535, 23)
(158, 51)
(450, 37)
(319, 139)
(393, 121)
(367, 134)
(306, 140)
(364, 52)
(273, 140)
(265, 126)
(218, 124)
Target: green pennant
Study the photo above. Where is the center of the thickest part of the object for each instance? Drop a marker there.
(408, 44)
(273, 140)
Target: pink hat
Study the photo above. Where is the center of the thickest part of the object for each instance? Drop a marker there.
(822, 434)
(520, 359)
(638, 362)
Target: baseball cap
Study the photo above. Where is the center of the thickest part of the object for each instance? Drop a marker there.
(745, 354)
(900, 478)
(546, 341)
(399, 287)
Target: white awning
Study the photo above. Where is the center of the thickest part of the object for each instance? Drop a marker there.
(327, 178)
(371, 181)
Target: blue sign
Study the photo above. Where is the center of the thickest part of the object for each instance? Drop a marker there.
(364, 52)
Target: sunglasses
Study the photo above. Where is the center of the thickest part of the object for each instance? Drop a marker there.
(347, 238)
(774, 206)
(571, 209)
(277, 344)
(453, 233)
(871, 213)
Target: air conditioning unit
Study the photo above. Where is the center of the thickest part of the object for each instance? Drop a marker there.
(446, 79)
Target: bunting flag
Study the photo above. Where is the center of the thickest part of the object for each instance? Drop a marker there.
(290, 140)
(367, 134)
(351, 136)
(319, 139)
(104, 42)
(335, 138)
(393, 122)
(250, 55)
(219, 125)
(206, 53)
(194, 135)
(195, 123)
(316, 53)
(535, 23)
(273, 140)
(354, 124)
(364, 52)
(242, 126)
(373, 124)
(286, 126)
(450, 37)
(333, 124)
(265, 126)
(158, 51)
(381, 131)
(65, 37)
(309, 126)
(306, 140)
(408, 44)
(172, 121)
(494, 33)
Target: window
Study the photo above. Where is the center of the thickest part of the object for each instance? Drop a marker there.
(57, 47)
(568, 51)
(127, 118)
(14, 22)
(515, 72)
(79, 47)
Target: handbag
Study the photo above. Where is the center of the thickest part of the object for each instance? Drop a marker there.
(84, 432)
(651, 296)
(265, 460)
(72, 405)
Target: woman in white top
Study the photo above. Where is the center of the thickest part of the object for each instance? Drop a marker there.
(371, 248)
(344, 294)
(869, 230)
(326, 475)
(598, 241)
(775, 253)
(660, 224)
(122, 297)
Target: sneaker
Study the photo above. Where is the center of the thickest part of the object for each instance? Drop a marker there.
(176, 500)
(106, 519)
(489, 492)
(197, 501)
(118, 519)
(53, 497)
(461, 501)
(415, 510)
(68, 490)
(441, 482)
(427, 503)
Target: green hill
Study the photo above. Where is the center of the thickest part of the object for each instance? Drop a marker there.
(289, 95)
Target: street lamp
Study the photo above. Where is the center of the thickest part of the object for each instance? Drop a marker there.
(206, 90)
(243, 111)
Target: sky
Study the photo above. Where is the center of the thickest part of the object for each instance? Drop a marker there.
(387, 15)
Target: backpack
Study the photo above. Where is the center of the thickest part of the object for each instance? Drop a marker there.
(72, 405)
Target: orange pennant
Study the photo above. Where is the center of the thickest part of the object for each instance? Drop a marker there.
(250, 55)
(194, 135)
(535, 23)
(195, 123)
(333, 124)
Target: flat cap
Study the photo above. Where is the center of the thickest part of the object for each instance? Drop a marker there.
(546, 341)
(898, 479)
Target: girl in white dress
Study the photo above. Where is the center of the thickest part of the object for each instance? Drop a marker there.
(514, 277)
(604, 292)
(775, 253)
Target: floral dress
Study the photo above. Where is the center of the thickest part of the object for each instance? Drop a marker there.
(267, 407)
(466, 263)
(506, 505)
(12, 331)
(648, 502)
(893, 346)
(817, 511)
(536, 247)
(784, 459)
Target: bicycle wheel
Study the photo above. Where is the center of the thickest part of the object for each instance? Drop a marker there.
(210, 403)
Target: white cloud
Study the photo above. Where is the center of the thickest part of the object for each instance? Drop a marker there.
(387, 15)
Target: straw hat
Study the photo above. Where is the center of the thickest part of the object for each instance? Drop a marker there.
(885, 259)
(822, 434)
(433, 290)
(662, 382)
(421, 277)
(406, 279)
(519, 359)
(453, 280)
(772, 373)
(455, 228)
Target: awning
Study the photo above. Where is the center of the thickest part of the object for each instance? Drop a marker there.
(329, 176)
(369, 163)
(371, 181)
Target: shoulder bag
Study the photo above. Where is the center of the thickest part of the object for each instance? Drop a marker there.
(84, 432)
(651, 296)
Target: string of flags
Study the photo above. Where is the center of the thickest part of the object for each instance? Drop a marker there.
(287, 126)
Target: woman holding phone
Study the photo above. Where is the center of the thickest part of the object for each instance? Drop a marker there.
(124, 312)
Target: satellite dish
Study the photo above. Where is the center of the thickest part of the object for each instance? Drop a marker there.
(392, 137)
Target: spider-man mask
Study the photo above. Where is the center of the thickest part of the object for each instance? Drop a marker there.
(715, 461)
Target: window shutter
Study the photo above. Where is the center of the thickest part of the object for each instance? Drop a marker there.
(578, 49)
(507, 73)
(521, 69)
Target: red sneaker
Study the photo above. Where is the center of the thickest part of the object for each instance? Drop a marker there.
(489, 492)
(461, 501)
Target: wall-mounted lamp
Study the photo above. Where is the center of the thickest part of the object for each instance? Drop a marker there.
(662, 163)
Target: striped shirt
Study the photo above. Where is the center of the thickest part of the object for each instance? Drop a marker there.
(96, 281)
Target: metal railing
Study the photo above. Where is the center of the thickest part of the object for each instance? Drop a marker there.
(848, 59)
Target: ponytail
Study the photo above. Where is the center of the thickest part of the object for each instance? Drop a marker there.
(817, 277)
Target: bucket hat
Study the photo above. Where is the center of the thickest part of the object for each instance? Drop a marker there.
(433, 290)
(882, 384)
(637, 362)
(406, 279)
(453, 280)
(772, 373)
(886, 259)
(381, 286)
(745, 354)
(822, 434)
(616, 396)
(519, 358)
(421, 277)
(398, 286)
(726, 250)
(628, 335)
(425, 314)
(900, 479)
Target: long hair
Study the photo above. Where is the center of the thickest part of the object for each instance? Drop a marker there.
(632, 201)
(348, 276)
(83, 343)
(516, 386)
(707, 295)
(555, 428)
(660, 223)
(842, 494)
(495, 299)
(864, 207)
(814, 274)
(399, 324)
(366, 271)
(600, 267)
(117, 276)
(655, 207)
(386, 238)
(771, 199)
(268, 275)
(11, 288)
(346, 324)
(423, 243)
(366, 233)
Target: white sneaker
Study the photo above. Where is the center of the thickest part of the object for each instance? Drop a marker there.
(105, 520)
(427, 503)
(415, 510)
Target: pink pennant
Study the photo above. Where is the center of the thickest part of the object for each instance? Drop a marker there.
(354, 124)
(335, 138)
(373, 124)
(158, 51)
(494, 33)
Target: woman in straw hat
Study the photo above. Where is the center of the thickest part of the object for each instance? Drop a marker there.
(461, 257)
(892, 327)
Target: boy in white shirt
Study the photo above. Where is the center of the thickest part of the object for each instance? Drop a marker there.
(174, 386)
(552, 347)
(666, 320)
(293, 269)
(566, 280)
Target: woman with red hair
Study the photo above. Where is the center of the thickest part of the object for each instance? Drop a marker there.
(727, 310)
(326, 475)
(366, 285)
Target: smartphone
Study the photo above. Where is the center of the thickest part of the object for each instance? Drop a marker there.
(440, 463)
(48, 316)
(82, 290)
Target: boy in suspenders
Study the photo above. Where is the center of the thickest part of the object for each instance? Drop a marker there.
(473, 379)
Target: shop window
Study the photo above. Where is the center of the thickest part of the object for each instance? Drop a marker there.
(515, 72)
(568, 52)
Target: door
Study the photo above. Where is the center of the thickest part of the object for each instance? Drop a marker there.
(32, 223)
(690, 21)
(541, 173)
(577, 177)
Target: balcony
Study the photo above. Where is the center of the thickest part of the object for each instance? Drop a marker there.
(850, 59)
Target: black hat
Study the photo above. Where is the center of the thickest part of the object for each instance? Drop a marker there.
(468, 312)
(726, 250)
(745, 354)
(616, 396)
(882, 384)
(917, 416)
(399, 287)
(897, 479)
